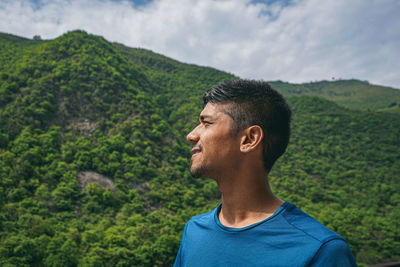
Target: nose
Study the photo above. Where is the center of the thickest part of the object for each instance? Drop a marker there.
(193, 136)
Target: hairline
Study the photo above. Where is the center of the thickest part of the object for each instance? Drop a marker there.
(226, 108)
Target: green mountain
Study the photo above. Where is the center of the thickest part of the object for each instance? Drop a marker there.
(94, 162)
(353, 94)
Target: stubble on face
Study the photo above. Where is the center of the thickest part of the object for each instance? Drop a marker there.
(217, 139)
(197, 171)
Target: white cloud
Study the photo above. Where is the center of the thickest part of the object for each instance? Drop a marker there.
(308, 40)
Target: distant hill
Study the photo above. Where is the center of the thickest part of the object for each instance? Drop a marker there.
(94, 162)
(14, 39)
(353, 94)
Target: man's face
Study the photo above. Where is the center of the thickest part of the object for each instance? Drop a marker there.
(215, 148)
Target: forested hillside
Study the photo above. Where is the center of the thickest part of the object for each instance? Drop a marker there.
(94, 162)
(353, 94)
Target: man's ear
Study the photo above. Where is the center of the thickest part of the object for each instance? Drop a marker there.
(251, 138)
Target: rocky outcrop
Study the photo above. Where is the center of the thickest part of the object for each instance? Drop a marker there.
(88, 177)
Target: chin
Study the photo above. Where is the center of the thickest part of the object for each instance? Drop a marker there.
(197, 171)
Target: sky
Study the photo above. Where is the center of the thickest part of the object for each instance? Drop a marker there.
(290, 40)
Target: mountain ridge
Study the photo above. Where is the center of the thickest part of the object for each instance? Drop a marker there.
(352, 93)
(94, 162)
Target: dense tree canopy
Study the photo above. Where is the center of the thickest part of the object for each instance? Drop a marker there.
(94, 162)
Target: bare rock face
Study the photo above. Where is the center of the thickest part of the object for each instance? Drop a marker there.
(83, 126)
(87, 177)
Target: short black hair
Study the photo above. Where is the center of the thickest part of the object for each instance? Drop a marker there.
(256, 103)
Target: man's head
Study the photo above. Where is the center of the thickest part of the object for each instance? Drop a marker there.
(250, 102)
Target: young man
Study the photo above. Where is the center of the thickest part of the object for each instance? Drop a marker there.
(244, 128)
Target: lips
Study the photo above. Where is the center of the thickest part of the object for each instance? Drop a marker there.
(195, 150)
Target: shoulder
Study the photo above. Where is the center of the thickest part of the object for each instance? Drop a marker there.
(201, 221)
(334, 252)
(333, 249)
(204, 216)
(309, 226)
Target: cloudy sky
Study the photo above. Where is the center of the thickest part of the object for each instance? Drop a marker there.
(289, 40)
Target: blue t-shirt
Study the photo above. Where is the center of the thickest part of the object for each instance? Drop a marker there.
(289, 237)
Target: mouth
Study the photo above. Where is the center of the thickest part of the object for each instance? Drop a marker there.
(196, 150)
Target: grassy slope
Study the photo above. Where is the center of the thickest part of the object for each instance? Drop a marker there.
(353, 94)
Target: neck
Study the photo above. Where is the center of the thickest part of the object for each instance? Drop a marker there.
(246, 199)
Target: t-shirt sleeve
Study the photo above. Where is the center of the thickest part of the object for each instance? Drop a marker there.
(178, 259)
(335, 252)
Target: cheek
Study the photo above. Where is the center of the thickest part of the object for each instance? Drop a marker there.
(222, 146)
